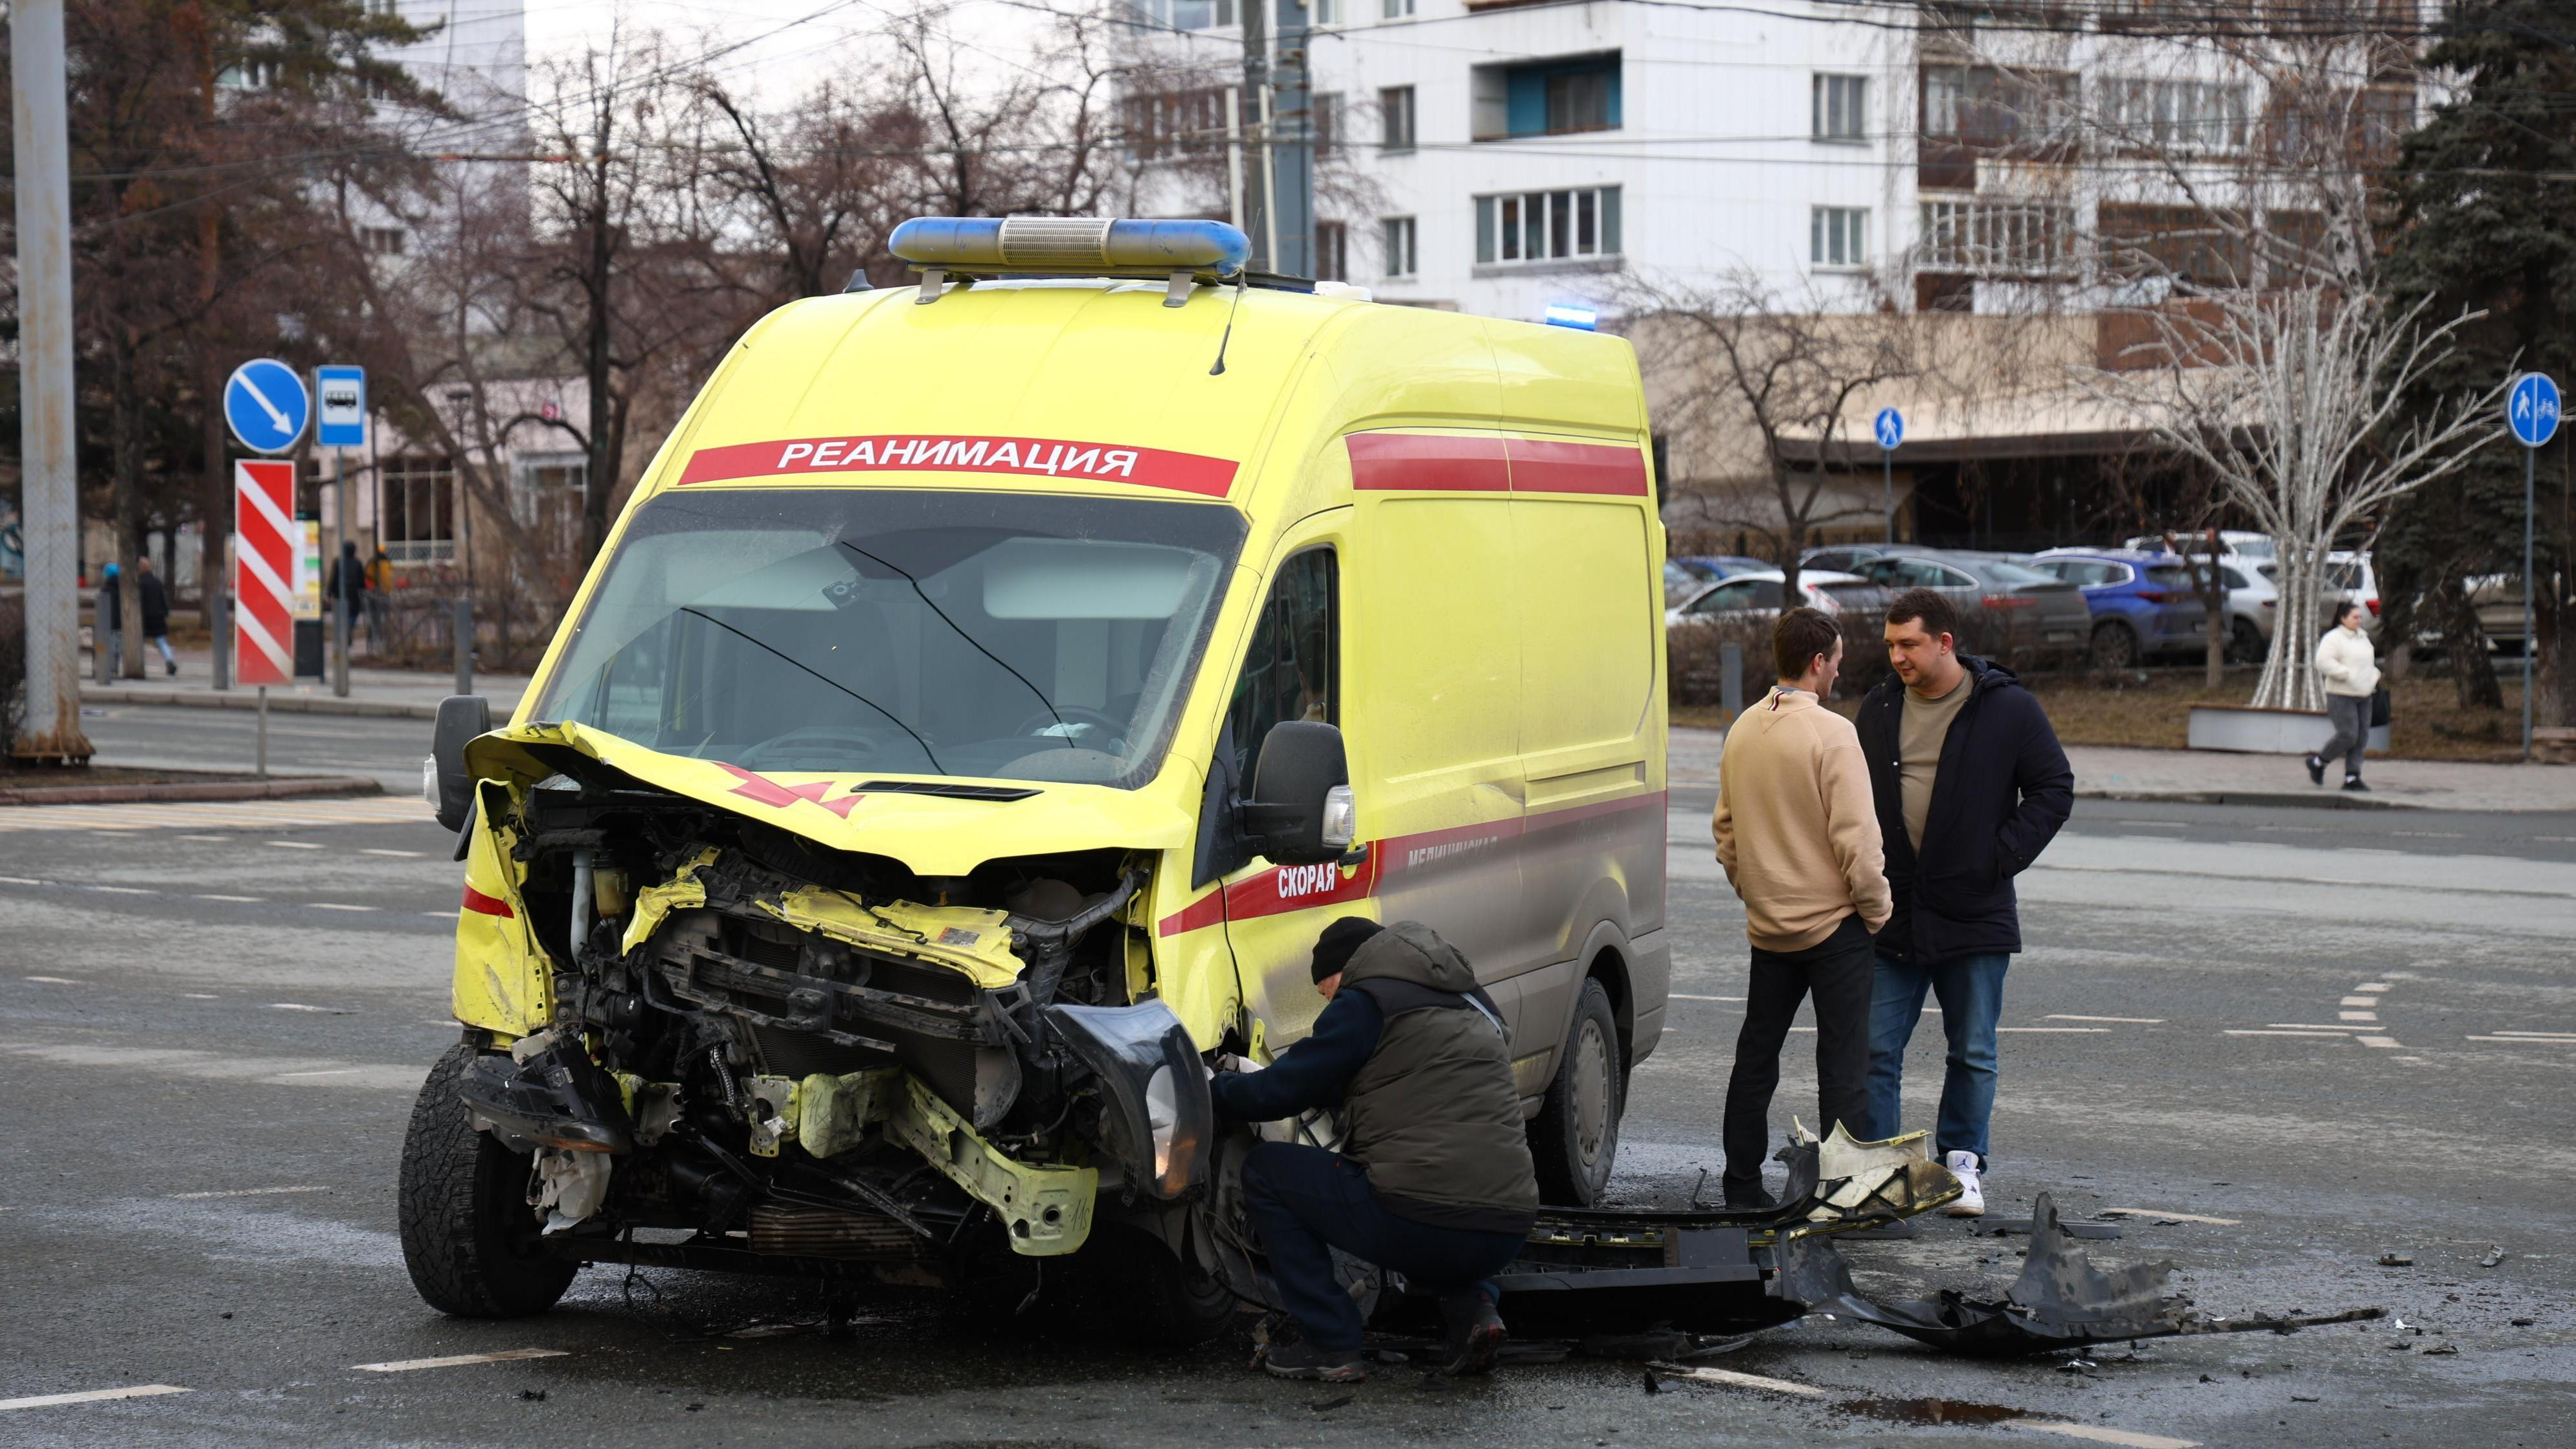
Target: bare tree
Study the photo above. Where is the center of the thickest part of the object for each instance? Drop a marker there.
(2297, 404)
(1764, 395)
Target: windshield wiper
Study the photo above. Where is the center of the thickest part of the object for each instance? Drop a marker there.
(969, 638)
(926, 751)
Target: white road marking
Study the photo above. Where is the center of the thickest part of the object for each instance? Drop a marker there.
(55, 980)
(124, 890)
(336, 906)
(2295, 829)
(2376, 1041)
(1675, 995)
(1733, 1379)
(294, 844)
(2430, 834)
(2158, 824)
(2307, 1026)
(2277, 1031)
(407, 1365)
(2099, 1434)
(245, 1192)
(2356, 1016)
(209, 839)
(2541, 1035)
(18, 880)
(221, 814)
(325, 1072)
(2073, 1030)
(2359, 1001)
(247, 900)
(2122, 1020)
(403, 854)
(2373, 986)
(300, 1006)
(2527, 1040)
(456, 915)
(139, 1391)
(200, 996)
(2177, 1217)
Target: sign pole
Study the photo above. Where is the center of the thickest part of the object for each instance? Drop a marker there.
(2529, 640)
(1887, 489)
(2531, 409)
(338, 573)
(1889, 428)
(263, 731)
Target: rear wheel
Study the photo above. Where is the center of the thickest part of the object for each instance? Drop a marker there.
(2244, 642)
(1576, 1133)
(468, 1236)
(2115, 645)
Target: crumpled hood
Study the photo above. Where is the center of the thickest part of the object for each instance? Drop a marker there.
(928, 833)
(1411, 951)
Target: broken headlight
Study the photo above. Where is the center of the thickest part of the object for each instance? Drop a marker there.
(1156, 1114)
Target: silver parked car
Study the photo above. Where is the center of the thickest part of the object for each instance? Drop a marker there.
(2004, 603)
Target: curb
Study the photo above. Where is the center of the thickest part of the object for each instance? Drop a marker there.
(286, 789)
(246, 700)
(2334, 801)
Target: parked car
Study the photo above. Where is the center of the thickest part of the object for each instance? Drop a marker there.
(2348, 576)
(1844, 557)
(2003, 600)
(1685, 575)
(2142, 602)
(1755, 596)
(2230, 540)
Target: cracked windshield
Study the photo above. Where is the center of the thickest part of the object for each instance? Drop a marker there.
(976, 634)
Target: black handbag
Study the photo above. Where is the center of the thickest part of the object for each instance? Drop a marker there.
(2379, 706)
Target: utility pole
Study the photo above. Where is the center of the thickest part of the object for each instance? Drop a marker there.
(1255, 124)
(50, 494)
(1292, 156)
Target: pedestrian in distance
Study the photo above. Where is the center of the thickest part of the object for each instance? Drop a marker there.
(1798, 835)
(1434, 1179)
(156, 613)
(380, 583)
(2350, 668)
(345, 585)
(1970, 786)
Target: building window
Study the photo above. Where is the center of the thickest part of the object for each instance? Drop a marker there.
(1395, 118)
(1992, 236)
(416, 510)
(1395, 9)
(2177, 115)
(384, 241)
(384, 7)
(1838, 236)
(1177, 122)
(1547, 226)
(1547, 98)
(1978, 107)
(252, 73)
(550, 503)
(1332, 252)
(1396, 236)
(2185, 243)
(1842, 108)
(1185, 14)
(1326, 112)
(1328, 12)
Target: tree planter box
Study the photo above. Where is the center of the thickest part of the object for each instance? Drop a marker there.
(2247, 730)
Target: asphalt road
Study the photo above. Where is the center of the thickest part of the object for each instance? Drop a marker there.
(210, 1036)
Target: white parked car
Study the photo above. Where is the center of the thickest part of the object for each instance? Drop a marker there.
(1755, 596)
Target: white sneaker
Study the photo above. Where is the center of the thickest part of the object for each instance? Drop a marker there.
(1972, 1193)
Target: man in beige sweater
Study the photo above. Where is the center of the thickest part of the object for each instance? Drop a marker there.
(1798, 835)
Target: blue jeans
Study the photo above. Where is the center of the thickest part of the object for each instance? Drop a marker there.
(1971, 989)
(1305, 1200)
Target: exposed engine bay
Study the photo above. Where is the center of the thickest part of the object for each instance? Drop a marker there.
(818, 1058)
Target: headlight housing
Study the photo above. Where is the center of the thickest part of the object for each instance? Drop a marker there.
(1156, 1116)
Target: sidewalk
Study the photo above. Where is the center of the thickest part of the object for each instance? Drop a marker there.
(382, 693)
(2216, 778)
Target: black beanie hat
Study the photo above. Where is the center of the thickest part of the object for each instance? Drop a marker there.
(1334, 948)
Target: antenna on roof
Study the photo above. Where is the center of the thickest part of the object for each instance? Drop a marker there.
(1241, 281)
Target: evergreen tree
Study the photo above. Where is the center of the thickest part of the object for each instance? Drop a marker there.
(2485, 198)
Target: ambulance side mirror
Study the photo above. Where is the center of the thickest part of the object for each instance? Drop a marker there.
(461, 718)
(1301, 811)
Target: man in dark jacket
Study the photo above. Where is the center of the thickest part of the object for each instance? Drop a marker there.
(1970, 786)
(156, 612)
(1434, 1179)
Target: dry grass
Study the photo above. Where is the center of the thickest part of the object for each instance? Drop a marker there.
(2151, 710)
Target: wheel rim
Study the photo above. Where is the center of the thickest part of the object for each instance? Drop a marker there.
(1591, 1093)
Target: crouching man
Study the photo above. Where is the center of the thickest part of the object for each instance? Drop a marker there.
(1434, 1180)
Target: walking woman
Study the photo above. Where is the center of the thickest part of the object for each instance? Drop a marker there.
(2350, 669)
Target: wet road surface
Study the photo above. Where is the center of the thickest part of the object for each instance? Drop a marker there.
(210, 1036)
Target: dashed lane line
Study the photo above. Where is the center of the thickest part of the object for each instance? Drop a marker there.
(92, 1396)
(2356, 1016)
(397, 854)
(2278, 1031)
(238, 900)
(2371, 1000)
(2374, 986)
(294, 844)
(334, 906)
(408, 1365)
(57, 980)
(2063, 1030)
(2119, 1020)
(2382, 1042)
(2527, 1040)
(243, 1192)
(300, 1006)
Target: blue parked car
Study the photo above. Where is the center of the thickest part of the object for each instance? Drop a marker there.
(2142, 603)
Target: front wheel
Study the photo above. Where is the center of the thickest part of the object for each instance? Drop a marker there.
(1576, 1133)
(2115, 646)
(468, 1235)
(2245, 642)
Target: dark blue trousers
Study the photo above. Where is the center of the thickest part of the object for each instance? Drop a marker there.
(1305, 1200)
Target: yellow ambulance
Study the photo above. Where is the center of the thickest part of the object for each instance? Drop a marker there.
(992, 688)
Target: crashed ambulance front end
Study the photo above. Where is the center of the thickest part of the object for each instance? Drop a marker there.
(804, 917)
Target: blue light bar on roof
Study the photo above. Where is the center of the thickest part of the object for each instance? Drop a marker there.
(1566, 314)
(1083, 246)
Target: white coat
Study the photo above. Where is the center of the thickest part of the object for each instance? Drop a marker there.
(2347, 663)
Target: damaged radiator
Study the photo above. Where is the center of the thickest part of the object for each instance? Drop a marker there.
(823, 1233)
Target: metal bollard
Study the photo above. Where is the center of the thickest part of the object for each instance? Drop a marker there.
(219, 612)
(463, 629)
(1730, 677)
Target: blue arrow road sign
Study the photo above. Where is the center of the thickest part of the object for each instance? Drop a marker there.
(1890, 427)
(2531, 409)
(266, 405)
(342, 422)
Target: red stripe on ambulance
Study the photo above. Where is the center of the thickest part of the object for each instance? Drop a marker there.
(1017, 457)
(1491, 463)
